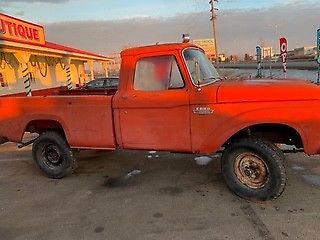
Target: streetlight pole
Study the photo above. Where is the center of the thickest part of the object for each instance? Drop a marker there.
(213, 18)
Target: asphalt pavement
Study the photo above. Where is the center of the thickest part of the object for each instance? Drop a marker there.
(150, 195)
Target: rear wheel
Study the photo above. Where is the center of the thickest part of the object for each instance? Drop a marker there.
(53, 155)
(254, 169)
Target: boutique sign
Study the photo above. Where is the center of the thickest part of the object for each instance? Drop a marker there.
(16, 30)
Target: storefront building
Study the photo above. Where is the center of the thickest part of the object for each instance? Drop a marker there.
(208, 46)
(30, 65)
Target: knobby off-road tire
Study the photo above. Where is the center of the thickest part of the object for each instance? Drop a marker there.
(53, 155)
(254, 169)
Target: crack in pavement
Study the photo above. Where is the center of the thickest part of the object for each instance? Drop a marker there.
(256, 222)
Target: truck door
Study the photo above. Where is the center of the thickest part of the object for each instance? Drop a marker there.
(154, 111)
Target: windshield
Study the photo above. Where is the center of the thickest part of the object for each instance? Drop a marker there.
(201, 69)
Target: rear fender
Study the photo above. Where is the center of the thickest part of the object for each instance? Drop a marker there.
(41, 121)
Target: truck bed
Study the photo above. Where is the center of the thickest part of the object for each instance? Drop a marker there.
(81, 116)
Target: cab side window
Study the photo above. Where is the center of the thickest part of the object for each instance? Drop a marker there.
(157, 74)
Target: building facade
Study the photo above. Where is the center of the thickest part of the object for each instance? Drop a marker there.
(267, 52)
(29, 64)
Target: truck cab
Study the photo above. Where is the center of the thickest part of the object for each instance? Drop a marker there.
(161, 94)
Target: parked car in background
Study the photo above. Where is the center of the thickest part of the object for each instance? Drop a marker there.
(101, 83)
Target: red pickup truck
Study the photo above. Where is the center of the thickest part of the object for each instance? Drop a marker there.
(171, 98)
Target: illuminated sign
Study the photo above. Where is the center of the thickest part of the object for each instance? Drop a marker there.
(206, 44)
(16, 30)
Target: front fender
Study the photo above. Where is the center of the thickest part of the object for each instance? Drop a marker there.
(229, 119)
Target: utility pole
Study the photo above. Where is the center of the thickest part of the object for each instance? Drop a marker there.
(214, 16)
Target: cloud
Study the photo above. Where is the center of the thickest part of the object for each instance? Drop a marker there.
(239, 30)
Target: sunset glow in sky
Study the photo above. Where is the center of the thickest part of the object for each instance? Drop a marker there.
(49, 11)
(106, 26)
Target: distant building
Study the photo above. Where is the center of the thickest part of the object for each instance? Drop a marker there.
(114, 66)
(267, 52)
(208, 46)
(248, 57)
(234, 58)
(305, 51)
(222, 57)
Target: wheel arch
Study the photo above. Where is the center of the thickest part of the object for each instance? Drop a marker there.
(43, 125)
(273, 132)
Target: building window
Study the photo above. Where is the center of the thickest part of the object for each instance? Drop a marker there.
(157, 73)
(3, 82)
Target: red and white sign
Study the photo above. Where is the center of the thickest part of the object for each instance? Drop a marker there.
(284, 52)
(16, 30)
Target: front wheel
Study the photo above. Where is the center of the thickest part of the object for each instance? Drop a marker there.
(254, 169)
(53, 155)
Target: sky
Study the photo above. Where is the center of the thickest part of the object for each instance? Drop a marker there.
(106, 26)
(50, 11)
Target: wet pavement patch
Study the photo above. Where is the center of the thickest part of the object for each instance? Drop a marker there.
(158, 215)
(312, 179)
(172, 191)
(99, 229)
(121, 181)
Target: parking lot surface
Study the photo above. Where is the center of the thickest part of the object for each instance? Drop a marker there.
(150, 195)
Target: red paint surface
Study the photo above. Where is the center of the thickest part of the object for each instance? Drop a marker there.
(86, 120)
(164, 120)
